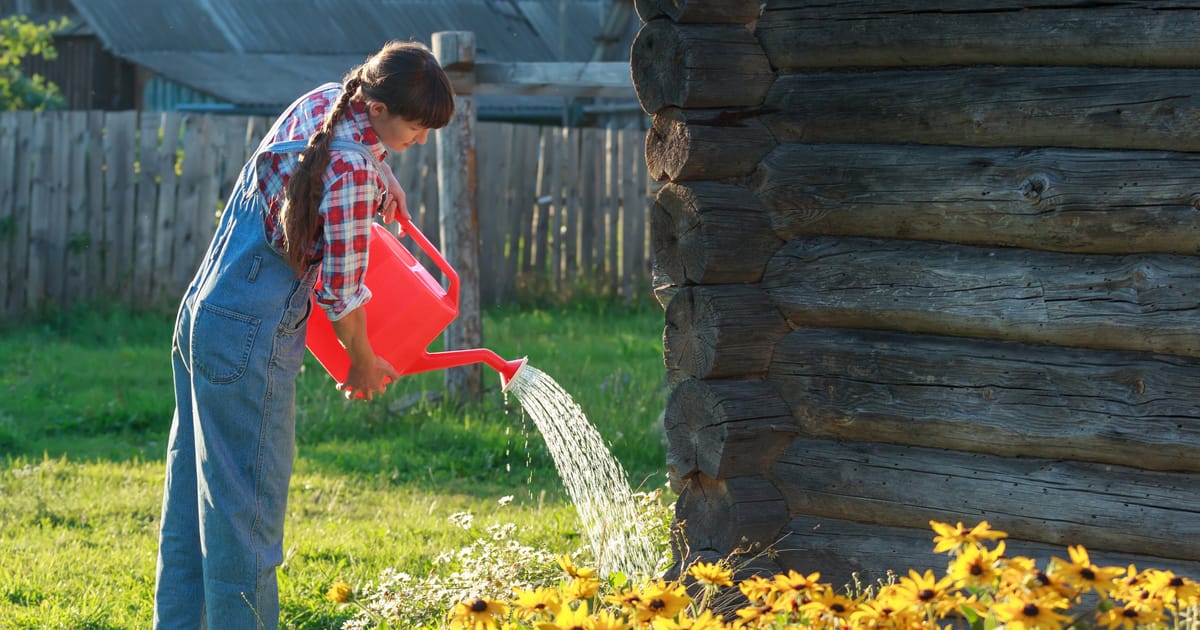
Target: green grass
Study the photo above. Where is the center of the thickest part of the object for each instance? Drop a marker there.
(86, 403)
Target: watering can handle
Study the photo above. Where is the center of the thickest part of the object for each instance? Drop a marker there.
(451, 275)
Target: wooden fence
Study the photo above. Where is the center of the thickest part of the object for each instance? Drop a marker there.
(119, 206)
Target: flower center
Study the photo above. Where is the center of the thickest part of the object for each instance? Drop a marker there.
(657, 604)
(1088, 574)
(926, 595)
(478, 606)
(1030, 610)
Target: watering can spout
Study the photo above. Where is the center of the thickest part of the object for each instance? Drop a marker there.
(429, 361)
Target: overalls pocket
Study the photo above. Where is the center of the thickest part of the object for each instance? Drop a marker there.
(221, 343)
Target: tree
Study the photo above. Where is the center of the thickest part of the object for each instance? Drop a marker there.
(21, 38)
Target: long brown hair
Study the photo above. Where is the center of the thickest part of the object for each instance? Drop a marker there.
(404, 76)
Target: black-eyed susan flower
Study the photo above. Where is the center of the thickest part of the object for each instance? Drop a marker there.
(754, 615)
(954, 537)
(661, 600)
(539, 602)
(581, 588)
(882, 612)
(1021, 574)
(977, 566)
(1175, 590)
(1081, 574)
(711, 574)
(568, 619)
(756, 588)
(828, 609)
(706, 621)
(607, 620)
(339, 592)
(568, 567)
(1031, 613)
(627, 598)
(1129, 617)
(478, 614)
(793, 581)
(923, 590)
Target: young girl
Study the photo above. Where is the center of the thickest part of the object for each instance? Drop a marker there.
(302, 206)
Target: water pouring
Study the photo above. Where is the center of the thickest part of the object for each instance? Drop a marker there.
(408, 309)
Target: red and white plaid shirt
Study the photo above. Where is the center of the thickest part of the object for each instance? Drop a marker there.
(353, 194)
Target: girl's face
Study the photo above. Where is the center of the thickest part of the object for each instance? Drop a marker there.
(396, 133)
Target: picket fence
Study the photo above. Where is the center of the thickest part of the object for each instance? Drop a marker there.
(119, 206)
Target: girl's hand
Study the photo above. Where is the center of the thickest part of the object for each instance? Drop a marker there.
(395, 202)
(365, 381)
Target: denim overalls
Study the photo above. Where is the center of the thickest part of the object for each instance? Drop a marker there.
(238, 348)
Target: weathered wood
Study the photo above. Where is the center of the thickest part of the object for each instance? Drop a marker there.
(1115, 108)
(568, 79)
(697, 11)
(75, 196)
(751, 513)
(26, 134)
(167, 217)
(837, 548)
(8, 215)
(42, 174)
(145, 208)
(721, 332)
(711, 233)
(818, 34)
(705, 144)
(1072, 200)
(1008, 399)
(725, 428)
(94, 207)
(1143, 303)
(632, 213)
(1040, 500)
(118, 202)
(698, 66)
(459, 214)
(187, 244)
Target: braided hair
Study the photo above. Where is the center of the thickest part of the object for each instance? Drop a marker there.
(405, 77)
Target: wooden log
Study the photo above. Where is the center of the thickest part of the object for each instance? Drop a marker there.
(705, 144)
(699, 11)
(1041, 500)
(726, 331)
(1071, 200)
(999, 398)
(711, 233)
(838, 549)
(1143, 303)
(698, 66)
(816, 34)
(459, 215)
(725, 428)
(726, 514)
(1112, 108)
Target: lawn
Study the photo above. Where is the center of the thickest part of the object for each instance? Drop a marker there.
(86, 403)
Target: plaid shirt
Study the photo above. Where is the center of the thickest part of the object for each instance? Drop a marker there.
(353, 194)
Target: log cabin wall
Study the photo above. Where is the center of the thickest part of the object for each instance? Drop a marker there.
(928, 261)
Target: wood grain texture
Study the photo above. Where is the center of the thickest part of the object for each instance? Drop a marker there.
(1143, 303)
(1009, 399)
(1069, 200)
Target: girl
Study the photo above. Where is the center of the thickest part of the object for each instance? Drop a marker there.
(302, 206)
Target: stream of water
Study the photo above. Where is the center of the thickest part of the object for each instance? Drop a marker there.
(593, 478)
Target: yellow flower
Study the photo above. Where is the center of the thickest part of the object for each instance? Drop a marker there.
(477, 614)
(1030, 613)
(1130, 616)
(711, 574)
(1021, 575)
(976, 566)
(755, 614)
(340, 592)
(953, 537)
(541, 601)
(606, 620)
(881, 612)
(1173, 589)
(1081, 574)
(582, 588)
(756, 588)
(793, 581)
(659, 599)
(568, 566)
(628, 598)
(925, 589)
(568, 619)
(706, 621)
(827, 608)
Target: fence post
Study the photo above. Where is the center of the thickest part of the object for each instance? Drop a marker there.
(455, 51)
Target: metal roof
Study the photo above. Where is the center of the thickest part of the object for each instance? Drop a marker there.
(266, 52)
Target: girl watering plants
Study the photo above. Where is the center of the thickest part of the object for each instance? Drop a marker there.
(302, 208)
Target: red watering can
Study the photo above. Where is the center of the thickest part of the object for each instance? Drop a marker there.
(408, 309)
